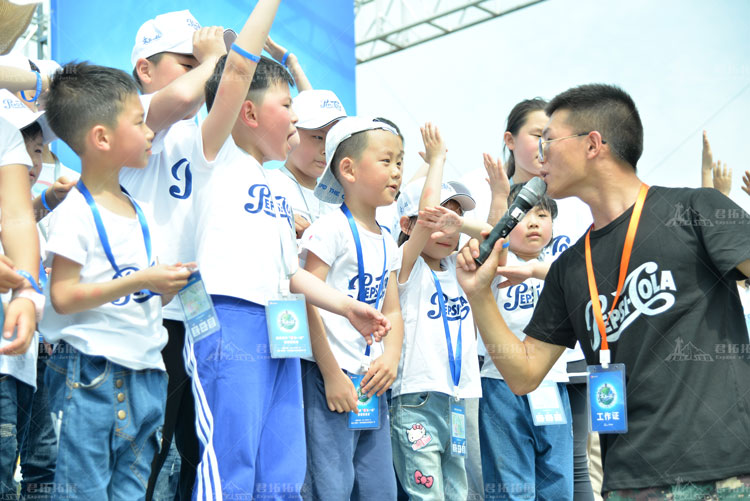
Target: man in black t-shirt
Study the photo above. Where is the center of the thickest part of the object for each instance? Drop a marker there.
(678, 325)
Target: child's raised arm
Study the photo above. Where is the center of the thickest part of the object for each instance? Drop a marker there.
(186, 93)
(236, 78)
(444, 222)
(15, 79)
(291, 62)
(435, 156)
(497, 178)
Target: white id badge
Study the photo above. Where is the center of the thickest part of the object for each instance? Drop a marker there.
(546, 405)
(200, 317)
(458, 429)
(288, 332)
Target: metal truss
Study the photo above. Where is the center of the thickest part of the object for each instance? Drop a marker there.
(383, 27)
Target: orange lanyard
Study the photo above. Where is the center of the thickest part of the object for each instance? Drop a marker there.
(627, 249)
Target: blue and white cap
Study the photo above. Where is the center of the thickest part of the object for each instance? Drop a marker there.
(408, 200)
(170, 32)
(329, 189)
(316, 109)
(17, 113)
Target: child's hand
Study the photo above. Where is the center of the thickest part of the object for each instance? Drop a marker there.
(746, 182)
(21, 318)
(433, 143)
(722, 178)
(277, 51)
(341, 394)
(381, 375)
(515, 274)
(165, 279)
(60, 189)
(208, 42)
(368, 321)
(707, 157)
(443, 222)
(497, 178)
(9, 279)
(300, 225)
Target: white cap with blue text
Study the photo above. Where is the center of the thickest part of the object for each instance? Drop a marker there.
(170, 32)
(408, 200)
(17, 113)
(316, 109)
(329, 189)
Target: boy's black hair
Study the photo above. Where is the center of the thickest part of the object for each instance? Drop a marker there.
(154, 59)
(267, 73)
(517, 119)
(545, 202)
(82, 95)
(353, 147)
(31, 131)
(610, 111)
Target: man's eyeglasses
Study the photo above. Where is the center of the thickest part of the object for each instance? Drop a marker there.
(543, 144)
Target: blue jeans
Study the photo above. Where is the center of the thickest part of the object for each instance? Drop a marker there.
(39, 447)
(421, 439)
(110, 428)
(343, 464)
(520, 460)
(15, 397)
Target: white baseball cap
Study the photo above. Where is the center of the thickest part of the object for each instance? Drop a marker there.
(15, 112)
(408, 200)
(170, 32)
(316, 109)
(329, 189)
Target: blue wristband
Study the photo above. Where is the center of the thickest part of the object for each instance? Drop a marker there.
(37, 91)
(506, 245)
(44, 201)
(27, 276)
(284, 58)
(242, 52)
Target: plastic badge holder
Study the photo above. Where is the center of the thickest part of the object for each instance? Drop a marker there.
(458, 430)
(607, 402)
(200, 317)
(546, 405)
(288, 332)
(368, 417)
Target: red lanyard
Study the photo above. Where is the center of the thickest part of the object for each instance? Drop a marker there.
(627, 249)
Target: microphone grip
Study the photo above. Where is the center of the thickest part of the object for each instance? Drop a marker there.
(501, 230)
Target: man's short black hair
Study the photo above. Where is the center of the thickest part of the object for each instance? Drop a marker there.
(82, 95)
(267, 73)
(608, 110)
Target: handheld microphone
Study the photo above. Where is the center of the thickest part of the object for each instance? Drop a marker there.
(527, 198)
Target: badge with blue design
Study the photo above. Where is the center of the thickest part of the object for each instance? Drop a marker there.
(546, 405)
(288, 333)
(200, 317)
(368, 415)
(608, 409)
(458, 429)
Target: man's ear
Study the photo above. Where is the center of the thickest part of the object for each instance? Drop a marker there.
(594, 144)
(346, 169)
(249, 114)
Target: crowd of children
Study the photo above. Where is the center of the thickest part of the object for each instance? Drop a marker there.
(292, 340)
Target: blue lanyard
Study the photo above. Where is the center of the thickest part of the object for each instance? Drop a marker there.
(103, 233)
(360, 266)
(455, 361)
(34, 284)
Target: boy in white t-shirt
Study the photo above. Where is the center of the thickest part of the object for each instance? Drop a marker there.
(317, 111)
(172, 59)
(349, 250)
(20, 251)
(439, 368)
(244, 238)
(106, 376)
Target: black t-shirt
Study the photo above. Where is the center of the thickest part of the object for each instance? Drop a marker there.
(679, 330)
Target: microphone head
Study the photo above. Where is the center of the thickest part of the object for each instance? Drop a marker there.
(533, 191)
